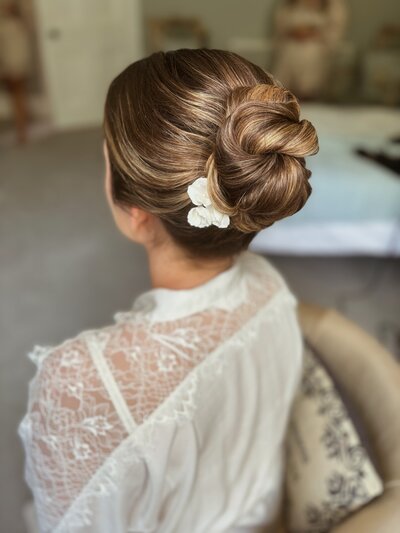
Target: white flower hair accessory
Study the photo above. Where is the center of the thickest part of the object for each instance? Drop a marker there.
(205, 213)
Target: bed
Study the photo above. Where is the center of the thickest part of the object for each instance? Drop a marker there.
(354, 208)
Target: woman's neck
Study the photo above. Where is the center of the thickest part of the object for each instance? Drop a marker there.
(171, 269)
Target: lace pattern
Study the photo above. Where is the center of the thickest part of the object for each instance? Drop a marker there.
(96, 399)
(70, 428)
(178, 408)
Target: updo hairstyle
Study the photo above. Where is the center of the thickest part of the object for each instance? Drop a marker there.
(173, 117)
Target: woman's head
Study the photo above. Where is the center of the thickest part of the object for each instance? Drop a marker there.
(173, 117)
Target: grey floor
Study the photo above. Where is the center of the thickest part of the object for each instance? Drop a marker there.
(64, 268)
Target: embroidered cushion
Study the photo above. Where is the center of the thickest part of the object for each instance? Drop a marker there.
(329, 472)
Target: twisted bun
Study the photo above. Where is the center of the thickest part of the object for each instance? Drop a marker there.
(257, 172)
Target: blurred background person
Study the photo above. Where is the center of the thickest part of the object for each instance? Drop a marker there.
(15, 61)
(307, 33)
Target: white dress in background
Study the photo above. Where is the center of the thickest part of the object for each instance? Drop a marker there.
(304, 65)
(172, 419)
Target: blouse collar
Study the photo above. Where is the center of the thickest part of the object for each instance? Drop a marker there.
(167, 304)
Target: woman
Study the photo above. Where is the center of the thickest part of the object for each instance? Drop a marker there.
(172, 419)
(307, 35)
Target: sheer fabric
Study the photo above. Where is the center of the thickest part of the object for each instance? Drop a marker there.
(171, 419)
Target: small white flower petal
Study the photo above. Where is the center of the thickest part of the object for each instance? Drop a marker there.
(198, 193)
(217, 218)
(205, 213)
(199, 217)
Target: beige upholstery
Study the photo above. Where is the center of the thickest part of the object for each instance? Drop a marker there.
(370, 376)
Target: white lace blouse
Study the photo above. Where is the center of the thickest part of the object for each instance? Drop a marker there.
(171, 419)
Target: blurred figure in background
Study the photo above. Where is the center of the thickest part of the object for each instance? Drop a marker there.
(307, 35)
(15, 61)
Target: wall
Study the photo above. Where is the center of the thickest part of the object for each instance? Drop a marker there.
(225, 19)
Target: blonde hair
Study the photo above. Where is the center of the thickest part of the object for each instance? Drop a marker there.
(173, 117)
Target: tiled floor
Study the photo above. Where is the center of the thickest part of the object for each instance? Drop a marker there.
(64, 268)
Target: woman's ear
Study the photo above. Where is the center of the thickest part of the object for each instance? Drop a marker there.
(138, 218)
(141, 225)
(135, 223)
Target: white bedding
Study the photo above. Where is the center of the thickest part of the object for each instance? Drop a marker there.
(332, 238)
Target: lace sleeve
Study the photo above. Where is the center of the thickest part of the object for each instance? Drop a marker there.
(70, 428)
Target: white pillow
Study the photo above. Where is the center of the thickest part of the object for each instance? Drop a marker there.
(329, 474)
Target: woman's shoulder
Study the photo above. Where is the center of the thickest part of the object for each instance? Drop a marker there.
(74, 349)
(73, 377)
(74, 385)
(75, 419)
